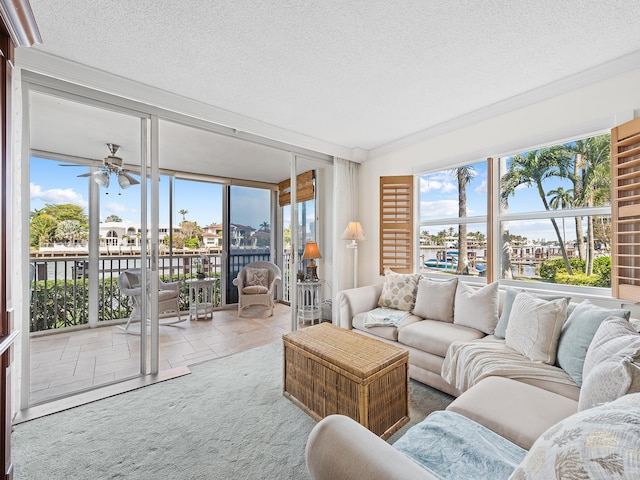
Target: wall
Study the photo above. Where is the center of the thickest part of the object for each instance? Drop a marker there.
(585, 110)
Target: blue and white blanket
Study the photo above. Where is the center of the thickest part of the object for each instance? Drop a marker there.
(384, 317)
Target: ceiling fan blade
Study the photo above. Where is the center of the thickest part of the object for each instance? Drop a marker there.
(88, 174)
(128, 170)
(131, 179)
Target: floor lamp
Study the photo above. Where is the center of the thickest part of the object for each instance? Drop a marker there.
(354, 233)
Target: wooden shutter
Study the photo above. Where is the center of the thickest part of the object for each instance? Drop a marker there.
(305, 189)
(625, 210)
(396, 223)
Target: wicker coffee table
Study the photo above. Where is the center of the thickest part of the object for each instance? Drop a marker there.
(328, 369)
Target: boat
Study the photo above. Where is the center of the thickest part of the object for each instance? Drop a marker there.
(449, 262)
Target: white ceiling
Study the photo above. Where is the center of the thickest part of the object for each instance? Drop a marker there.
(358, 74)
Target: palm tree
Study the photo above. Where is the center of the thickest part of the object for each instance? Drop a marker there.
(264, 226)
(561, 198)
(591, 178)
(464, 176)
(532, 169)
(183, 212)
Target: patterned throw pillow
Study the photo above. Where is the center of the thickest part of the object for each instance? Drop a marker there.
(601, 442)
(257, 277)
(534, 327)
(399, 290)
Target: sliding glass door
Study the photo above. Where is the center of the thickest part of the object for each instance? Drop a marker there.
(87, 224)
(248, 232)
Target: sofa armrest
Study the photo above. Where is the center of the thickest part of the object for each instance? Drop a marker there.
(339, 448)
(356, 300)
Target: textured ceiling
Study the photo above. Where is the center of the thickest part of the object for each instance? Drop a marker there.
(354, 73)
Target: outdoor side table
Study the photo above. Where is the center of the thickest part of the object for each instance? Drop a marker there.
(309, 300)
(200, 297)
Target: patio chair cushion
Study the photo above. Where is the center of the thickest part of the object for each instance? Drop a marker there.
(255, 289)
(167, 294)
(257, 277)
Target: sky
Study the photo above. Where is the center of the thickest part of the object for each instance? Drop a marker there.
(439, 199)
(51, 183)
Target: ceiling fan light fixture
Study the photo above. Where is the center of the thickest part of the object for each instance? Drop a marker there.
(102, 178)
(123, 181)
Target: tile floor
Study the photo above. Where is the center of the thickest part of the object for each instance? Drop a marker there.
(79, 360)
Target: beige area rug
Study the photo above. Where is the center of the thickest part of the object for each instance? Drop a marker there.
(226, 420)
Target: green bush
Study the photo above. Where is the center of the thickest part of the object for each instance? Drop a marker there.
(59, 304)
(554, 271)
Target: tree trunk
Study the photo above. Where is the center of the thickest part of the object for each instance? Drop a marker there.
(505, 263)
(463, 261)
(565, 257)
(580, 239)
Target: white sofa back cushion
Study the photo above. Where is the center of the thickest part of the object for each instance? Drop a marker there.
(477, 308)
(434, 300)
(534, 327)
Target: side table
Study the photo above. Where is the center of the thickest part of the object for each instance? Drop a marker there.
(200, 297)
(309, 301)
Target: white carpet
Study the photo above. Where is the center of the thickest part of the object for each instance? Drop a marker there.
(227, 420)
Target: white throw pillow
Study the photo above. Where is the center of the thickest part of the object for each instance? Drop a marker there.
(611, 379)
(434, 299)
(534, 327)
(477, 308)
(399, 290)
(612, 336)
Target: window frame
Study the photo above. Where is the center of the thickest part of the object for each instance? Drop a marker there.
(495, 217)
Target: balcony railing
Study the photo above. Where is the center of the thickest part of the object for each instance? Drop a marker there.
(59, 295)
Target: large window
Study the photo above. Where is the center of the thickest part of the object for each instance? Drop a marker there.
(552, 211)
(453, 223)
(555, 211)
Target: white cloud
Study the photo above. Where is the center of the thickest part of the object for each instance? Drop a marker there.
(482, 188)
(57, 195)
(115, 207)
(437, 183)
(439, 209)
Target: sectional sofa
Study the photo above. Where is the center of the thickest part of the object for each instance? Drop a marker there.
(520, 365)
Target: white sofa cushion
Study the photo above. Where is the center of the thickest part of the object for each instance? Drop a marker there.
(534, 327)
(477, 308)
(434, 336)
(434, 299)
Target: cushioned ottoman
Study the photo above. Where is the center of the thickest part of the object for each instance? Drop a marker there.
(514, 410)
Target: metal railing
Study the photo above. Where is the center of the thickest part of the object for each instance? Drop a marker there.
(59, 295)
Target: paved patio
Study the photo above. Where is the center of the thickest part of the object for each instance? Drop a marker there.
(79, 360)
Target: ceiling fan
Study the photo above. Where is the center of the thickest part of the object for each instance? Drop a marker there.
(112, 164)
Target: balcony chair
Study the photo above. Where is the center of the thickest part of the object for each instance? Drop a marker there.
(129, 283)
(256, 284)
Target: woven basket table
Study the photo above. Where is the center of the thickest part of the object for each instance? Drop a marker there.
(328, 369)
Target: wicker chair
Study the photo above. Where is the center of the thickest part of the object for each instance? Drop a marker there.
(129, 283)
(256, 284)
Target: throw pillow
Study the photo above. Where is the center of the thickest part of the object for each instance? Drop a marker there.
(611, 379)
(257, 277)
(255, 289)
(399, 290)
(534, 327)
(509, 297)
(614, 335)
(601, 442)
(434, 299)
(577, 333)
(477, 308)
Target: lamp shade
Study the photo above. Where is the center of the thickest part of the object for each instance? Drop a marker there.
(353, 232)
(311, 251)
(123, 181)
(102, 178)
